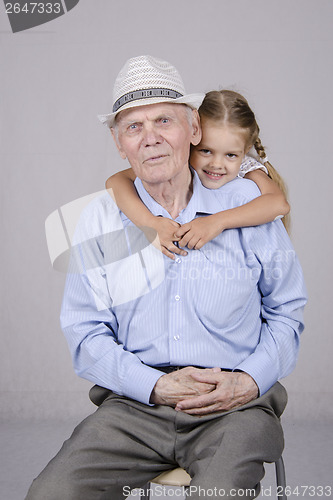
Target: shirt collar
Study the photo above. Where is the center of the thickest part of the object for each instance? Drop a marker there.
(202, 201)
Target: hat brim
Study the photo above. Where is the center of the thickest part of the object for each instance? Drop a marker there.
(192, 100)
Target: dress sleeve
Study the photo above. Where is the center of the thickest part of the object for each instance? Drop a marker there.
(249, 164)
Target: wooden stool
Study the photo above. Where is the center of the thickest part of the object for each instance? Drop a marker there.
(179, 477)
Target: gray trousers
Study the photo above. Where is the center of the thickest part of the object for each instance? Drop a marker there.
(124, 444)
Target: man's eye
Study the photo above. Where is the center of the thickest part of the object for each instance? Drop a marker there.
(164, 120)
(133, 128)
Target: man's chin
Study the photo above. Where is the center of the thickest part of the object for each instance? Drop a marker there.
(157, 174)
(165, 172)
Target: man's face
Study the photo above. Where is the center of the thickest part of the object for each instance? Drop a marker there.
(156, 140)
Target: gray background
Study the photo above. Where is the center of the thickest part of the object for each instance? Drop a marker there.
(57, 77)
(54, 80)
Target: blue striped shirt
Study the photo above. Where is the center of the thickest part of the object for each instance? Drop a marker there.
(237, 303)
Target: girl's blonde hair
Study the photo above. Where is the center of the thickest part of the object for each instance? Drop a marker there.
(229, 107)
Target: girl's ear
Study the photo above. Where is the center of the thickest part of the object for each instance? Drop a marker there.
(196, 128)
(115, 138)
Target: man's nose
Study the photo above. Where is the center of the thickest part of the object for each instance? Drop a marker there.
(151, 135)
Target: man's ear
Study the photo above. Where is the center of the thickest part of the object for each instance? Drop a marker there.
(196, 128)
(115, 138)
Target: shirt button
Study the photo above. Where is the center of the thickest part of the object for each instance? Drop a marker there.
(178, 260)
(176, 337)
(177, 297)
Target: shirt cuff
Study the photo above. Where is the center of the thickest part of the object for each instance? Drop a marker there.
(262, 370)
(145, 378)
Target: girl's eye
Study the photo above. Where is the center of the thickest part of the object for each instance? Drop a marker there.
(231, 155)
(205, 151)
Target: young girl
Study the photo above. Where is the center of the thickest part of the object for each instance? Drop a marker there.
(229, 130)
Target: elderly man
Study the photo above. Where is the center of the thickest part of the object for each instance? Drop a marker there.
(187, 365)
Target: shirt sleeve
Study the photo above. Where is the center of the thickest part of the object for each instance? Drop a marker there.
(88, 321)
(284, 296)
(249, 164)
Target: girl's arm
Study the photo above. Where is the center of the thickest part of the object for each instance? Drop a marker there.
(121, 188)
(271, 204)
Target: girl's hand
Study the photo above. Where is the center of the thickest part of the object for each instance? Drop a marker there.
(166, 229)
(198, 232)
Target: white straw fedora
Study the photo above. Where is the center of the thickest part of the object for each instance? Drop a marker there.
(147, 80)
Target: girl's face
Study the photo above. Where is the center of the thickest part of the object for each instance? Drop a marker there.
(218, 157)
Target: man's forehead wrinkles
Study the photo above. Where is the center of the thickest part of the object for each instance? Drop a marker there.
(151, 112)
(148, 119)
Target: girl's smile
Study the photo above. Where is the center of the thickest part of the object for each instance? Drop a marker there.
(213, 175)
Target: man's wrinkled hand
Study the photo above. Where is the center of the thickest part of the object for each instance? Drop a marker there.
(181, 385)
(232, 389)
